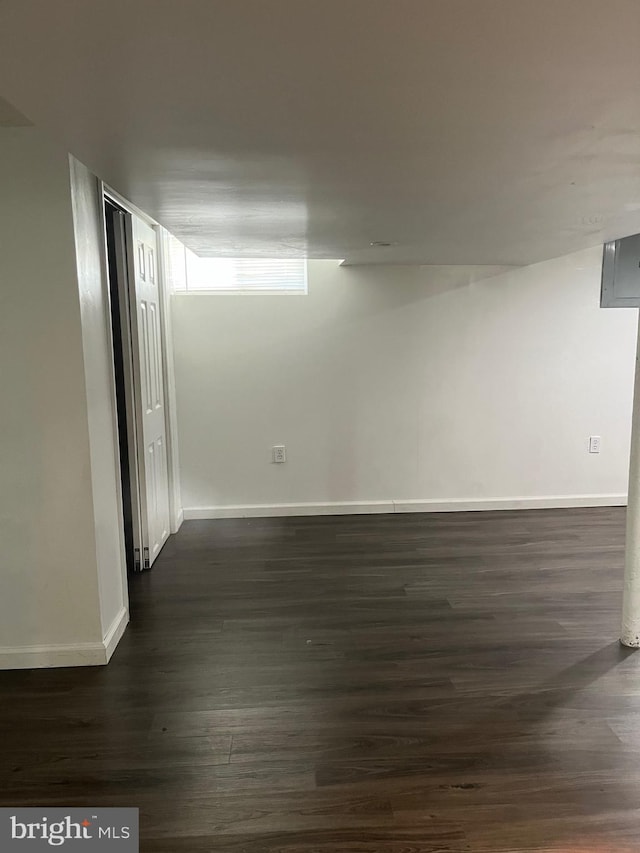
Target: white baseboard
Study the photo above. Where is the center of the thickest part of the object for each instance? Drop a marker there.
(73, 654)
(485, 504)
(115, 632)
(268, 510)
(36, 657)
(392, 506)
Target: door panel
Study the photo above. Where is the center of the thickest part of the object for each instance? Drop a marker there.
(145, 307)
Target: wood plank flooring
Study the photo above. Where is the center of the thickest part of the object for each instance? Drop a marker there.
(355, 684)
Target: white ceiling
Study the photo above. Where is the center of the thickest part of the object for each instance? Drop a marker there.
(10, 116)
(490, 132)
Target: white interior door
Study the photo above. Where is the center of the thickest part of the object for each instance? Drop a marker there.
(149, 389)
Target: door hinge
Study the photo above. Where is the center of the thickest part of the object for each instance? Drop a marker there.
(136, 559)
(146, 558)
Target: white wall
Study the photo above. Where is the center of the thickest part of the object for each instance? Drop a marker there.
(45, 501)
(50, 597)
(101, 404)
(392, 385)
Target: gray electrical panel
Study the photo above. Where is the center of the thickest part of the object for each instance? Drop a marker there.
(621, 273)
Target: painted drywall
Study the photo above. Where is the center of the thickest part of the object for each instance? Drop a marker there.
(100, 396)
(392, 386)
(49, 583)
(57, 605)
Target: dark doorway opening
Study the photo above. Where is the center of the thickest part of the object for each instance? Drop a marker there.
(117, 270)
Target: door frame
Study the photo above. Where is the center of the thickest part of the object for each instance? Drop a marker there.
(107, 194)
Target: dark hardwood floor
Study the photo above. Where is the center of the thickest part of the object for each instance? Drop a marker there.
(356, 684)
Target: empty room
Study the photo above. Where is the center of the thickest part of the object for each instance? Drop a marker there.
(320, 457)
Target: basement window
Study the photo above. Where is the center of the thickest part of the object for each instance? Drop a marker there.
(193, 274)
